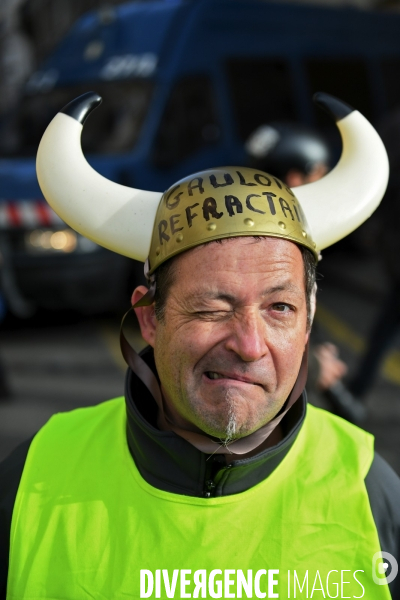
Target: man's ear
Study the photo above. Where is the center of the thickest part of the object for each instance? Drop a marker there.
(313, 303)
(145, 315)
(313, 307)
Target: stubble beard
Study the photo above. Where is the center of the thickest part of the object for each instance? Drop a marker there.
(231, 426)
(227, 424)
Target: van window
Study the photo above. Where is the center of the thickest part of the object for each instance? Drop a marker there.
(346, 78)
(113, 128)
(391, 76)
(189, 121)
(261, 91)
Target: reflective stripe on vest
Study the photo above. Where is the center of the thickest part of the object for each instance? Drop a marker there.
(85, 523)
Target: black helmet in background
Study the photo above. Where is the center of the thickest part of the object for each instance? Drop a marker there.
(284, 149)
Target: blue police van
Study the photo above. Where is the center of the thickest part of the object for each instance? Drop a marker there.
(184, 82)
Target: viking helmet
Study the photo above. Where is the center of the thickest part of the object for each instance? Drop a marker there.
(212, 204)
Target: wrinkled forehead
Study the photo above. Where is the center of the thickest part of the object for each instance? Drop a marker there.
(234, 263)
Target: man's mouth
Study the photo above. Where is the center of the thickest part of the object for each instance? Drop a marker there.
(214, 375)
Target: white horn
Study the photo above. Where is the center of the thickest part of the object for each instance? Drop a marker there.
(339, 202)
(112, 215)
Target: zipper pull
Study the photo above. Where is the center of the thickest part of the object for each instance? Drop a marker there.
(209, 488)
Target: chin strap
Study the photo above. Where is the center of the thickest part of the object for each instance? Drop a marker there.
(201, 441)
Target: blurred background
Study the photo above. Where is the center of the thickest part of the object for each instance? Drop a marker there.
(186, 85)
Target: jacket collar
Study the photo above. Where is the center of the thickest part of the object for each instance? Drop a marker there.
(170, 463)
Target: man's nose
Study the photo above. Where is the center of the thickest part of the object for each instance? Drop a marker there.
(248, 336)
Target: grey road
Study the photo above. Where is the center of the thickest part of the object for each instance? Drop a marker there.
(54, 367)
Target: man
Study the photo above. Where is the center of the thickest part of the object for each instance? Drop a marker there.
(210, 478)
(295, 153)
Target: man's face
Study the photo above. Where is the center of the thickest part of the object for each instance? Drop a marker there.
(229, 349)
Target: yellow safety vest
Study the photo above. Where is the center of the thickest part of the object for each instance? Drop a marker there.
(86, 525)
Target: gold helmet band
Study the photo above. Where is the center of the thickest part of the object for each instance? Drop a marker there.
(213, 204)
(225, 202)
